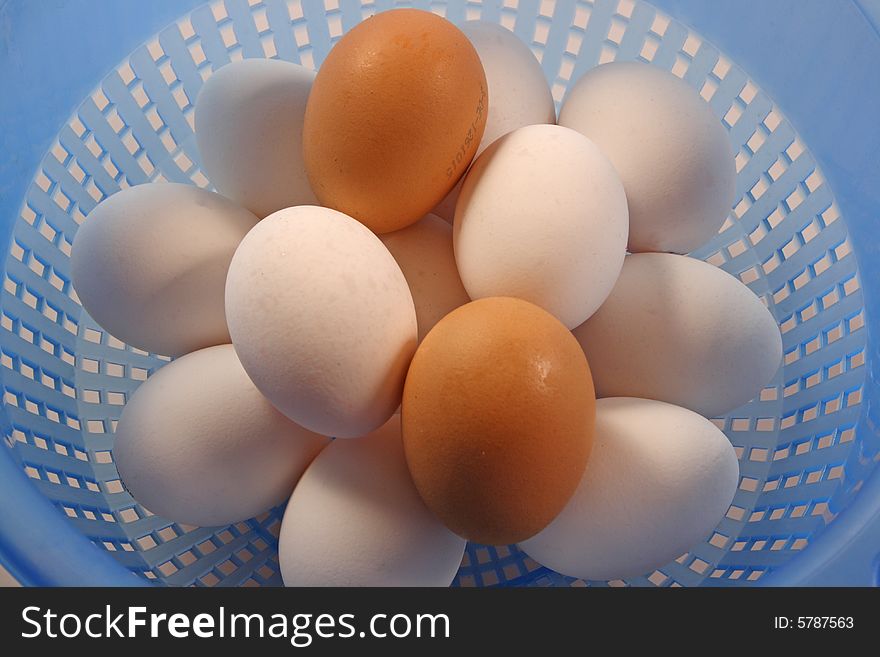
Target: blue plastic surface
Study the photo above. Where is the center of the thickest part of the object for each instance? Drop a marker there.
(41, 90)
(52, 53)
(795, 82)
(819, 59)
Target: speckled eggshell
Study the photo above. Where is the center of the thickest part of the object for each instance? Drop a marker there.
(322, 319)
(542, 216)
(394, 118)
(659, 480)
(149, 265)
(355, 519)
(497, 418)
(424, 253)
(672, 153)
(198, 444)
(682, 331)
(249, 120)
(517, 86)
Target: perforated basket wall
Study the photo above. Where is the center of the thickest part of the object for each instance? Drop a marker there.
(65, 381)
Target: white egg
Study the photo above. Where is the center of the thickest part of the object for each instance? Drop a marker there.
(322, 319)
(518, 91)
(249, 118)
(659, 479)
(424, 253)
(542, 216)
(356, 519)
(671, 152)
(198, 443)
(682, 331)
(149, 265)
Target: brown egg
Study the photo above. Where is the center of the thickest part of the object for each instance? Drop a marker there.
(498, 414)
(394, 117)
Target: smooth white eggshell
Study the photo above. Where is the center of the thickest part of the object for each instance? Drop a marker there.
(543, 217)
(671, 152)
(426, 258)
(518, 91)
(149, 265)
(322, 319)
(682, 331)
(356, 519)
(249, 118)
(659, 479)
(198, 444)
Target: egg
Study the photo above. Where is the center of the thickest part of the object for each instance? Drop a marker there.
(198, 444)
(394, 118)
(322, 319)
(355, 519)
(517, 87)
(249, 121)
(149, 265)
(543, 217)
(659, 480)
(497, 416)
(671, 152)
(424, 253)
(680, 330)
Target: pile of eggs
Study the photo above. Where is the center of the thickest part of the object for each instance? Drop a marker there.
(426, 312)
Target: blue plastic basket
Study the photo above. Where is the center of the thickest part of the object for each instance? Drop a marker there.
(794, 81)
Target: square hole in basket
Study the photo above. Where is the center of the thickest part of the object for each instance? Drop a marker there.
(856, 360)
(187, 558)
(128, 515)
(835, 472)
(699, 566)
(114, 486)
(146, 542)
(649, 50)
(765, 424)
(759, 454)
(209, 580)
(735, 512)
(657, 578)
(167, 534)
